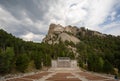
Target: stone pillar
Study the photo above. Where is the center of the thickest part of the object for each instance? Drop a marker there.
(54, 64)
(73, 64)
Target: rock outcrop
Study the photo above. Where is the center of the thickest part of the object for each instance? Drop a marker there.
(59, 33)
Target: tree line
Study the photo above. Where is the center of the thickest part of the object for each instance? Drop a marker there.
(95, 53)
(99, 54)
(16, 54)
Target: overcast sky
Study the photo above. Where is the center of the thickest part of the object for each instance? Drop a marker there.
(30, 19)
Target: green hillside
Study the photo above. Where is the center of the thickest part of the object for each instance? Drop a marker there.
(96, 53)
(101, 53)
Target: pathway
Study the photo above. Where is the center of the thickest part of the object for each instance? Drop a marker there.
(63, 74)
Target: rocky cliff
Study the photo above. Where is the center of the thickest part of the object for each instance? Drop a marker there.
(59, 33)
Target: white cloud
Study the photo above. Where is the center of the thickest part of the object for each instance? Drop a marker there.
(6, 19)
(27, 21)
(113, 14)
(88, 13)
(32, 37)
(98, 12)
(63, 13)
(112, 28)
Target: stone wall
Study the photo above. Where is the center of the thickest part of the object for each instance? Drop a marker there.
(64, 64)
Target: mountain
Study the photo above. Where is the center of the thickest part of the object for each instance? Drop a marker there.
(93, 50)
(69, 33)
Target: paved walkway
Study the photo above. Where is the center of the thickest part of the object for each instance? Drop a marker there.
(63, 74)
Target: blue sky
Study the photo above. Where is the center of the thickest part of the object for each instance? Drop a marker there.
(30, 19)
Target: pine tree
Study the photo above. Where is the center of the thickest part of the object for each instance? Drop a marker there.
(108, 68)
(22, 62)
(6, 60)
(37, 60)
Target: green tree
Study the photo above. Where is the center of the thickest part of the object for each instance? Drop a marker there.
(107, 67)
(37, 60)
(47, 60)
(22, 62)
(6, 60)
(100, 64)
(80, 62)
(95, 63)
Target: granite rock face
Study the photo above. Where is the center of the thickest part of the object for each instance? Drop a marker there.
(69, 33)
(58, 33)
